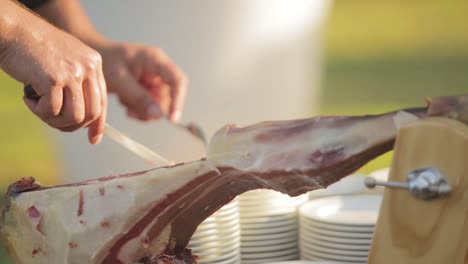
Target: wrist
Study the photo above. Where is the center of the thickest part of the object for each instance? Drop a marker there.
(94, 40)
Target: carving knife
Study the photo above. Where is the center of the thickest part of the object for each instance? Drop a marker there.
(135, 147)
(119, 137)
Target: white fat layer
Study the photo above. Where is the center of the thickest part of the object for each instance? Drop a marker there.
(244, 152)
(70, 238)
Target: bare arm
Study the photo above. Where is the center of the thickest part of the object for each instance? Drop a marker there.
(70, 16)
(144, 78)
(64, 72)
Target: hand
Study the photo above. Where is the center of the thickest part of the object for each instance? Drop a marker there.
(145, 80)
(64, 72)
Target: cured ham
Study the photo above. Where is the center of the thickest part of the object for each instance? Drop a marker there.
(149, 216)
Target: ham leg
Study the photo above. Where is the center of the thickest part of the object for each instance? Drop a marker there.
(150, 216)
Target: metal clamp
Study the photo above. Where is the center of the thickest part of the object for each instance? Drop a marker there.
(425, 183)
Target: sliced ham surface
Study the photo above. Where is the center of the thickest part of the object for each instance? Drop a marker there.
(149, 216)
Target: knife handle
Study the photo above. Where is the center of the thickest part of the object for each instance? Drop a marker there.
(30, 93)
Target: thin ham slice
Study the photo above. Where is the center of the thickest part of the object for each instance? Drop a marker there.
(149, 216)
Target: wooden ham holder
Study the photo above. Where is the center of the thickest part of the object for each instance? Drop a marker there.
(416, 231)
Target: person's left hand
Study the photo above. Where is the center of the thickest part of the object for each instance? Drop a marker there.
(145, 80)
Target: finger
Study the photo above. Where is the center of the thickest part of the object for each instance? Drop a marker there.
(31, 104)
(101, 122)
(50, 103)
(160, 92)
(132, 114)
(178, 93)
(93, 103)
(177, 82)
(136, 98)
(73, 110)
(135, 115)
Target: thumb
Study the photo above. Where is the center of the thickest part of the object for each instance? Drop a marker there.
(137, 99)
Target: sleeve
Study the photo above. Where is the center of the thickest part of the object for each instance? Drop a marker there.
(33, 4)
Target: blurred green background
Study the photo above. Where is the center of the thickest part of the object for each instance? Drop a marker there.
(380, 55)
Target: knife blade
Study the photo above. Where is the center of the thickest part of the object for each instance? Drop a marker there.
(132, 145)
(137, 148)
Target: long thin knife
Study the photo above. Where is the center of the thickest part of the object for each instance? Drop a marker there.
(120, 138)
(135, 147)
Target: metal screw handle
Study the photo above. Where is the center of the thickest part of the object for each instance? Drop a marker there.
(425, 183)
(372, 183)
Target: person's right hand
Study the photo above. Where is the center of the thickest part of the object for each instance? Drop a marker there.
(64, 72)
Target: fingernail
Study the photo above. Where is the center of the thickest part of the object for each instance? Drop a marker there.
(97, 139)
(176, 116)
(154, 111)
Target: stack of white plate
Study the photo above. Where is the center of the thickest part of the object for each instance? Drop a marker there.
(351, 184)
(307, 262)
(269, 226)
(217, 239)
(338, 228)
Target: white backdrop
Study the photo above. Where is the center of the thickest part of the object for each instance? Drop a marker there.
(247, 60)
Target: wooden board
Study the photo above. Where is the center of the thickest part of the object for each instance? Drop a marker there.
(414, 231)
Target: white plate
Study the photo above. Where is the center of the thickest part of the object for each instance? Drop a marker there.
(319, 255)
(351, 184)
(271, 242)
(273, 208)
(220, 225)
(213, 232)
(263, 225)
(224, 218)
(360, 210)
(317, 237)
(260, 213)
(267, 219)
(215, 245)
(342, 252)
(220, 257)
(339, 246)
(212, 238)
(224, 212)
(220, 251)
(307, 262)
(232, 260)
(269, 260)
(271, 254)
(284, 246)
(268, 237)
(341, 228)
(255, 232)
(310, 230)
(205, 230)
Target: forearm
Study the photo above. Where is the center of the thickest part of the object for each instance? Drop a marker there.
(8, 22)
(15, 22)
(70, 16)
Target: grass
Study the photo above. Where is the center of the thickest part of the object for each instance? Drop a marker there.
(373, 86)
(25, 150)
(424, 28)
